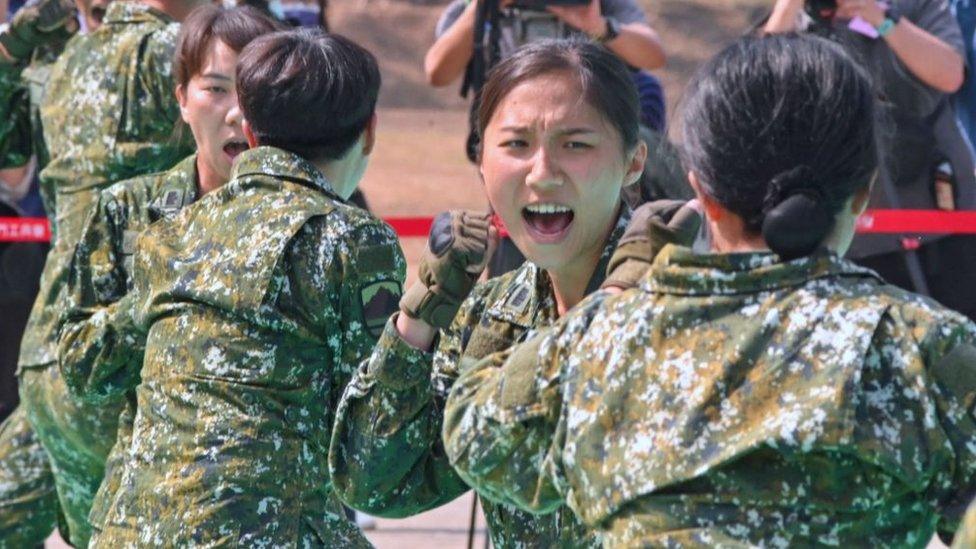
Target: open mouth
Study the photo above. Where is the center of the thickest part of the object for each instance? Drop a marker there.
(234, 148)
(547, 222)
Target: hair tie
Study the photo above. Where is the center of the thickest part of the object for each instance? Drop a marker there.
(795, 214)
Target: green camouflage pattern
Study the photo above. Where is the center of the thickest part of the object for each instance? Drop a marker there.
(28, 499)
(28, 502)
(732, 400)
(15, 130)
(99, 353)
(387, 457)
(107, 113)
(256, 302)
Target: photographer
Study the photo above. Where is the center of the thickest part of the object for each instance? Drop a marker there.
(914, 51)
(619, 24)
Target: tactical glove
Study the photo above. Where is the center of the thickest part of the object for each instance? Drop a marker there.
(653, 226)
(37, 23)
(455, 256)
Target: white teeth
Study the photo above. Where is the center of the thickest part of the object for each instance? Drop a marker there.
(548, 208)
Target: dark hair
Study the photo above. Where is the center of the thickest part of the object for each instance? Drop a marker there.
(781, 130)
(603, 77)
(307, 92)
(236, 27)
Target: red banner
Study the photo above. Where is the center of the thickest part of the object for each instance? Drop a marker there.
(36, 229)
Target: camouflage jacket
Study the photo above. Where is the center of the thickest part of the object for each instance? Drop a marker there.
(732, 400)
(258, 301)
(21, 89)
(98, 352)
(386, 454)
(108, 114)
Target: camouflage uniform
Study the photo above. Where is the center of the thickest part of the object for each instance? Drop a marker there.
(732, 400)
(28, 500)
(98, 355)
(108, 114)
(386, 455)
(257, 301)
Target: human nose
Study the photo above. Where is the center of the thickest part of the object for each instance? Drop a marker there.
(234, 116)
(544, 173)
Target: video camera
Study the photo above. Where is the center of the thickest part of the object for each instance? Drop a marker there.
(541, 5)
(822, 11)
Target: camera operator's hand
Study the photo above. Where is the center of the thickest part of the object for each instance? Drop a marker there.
(36, 24)
(869, 10)
(653, 226)
(588, 18)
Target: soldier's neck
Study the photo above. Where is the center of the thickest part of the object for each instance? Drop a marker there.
(569, 283)
(207, 179)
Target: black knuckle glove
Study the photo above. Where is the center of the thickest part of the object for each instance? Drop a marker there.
(449, 269)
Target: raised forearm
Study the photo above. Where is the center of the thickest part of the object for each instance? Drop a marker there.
(931, 60)
(100, 351)
(385, 453)
(498, 430)
(784, 16)
(447, 58)
(639, 46)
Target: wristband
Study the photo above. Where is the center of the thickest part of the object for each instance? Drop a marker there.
(885, 28)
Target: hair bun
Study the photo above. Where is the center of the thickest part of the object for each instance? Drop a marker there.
(795, 216)
(796, 226)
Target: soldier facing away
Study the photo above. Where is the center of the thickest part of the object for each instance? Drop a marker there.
(99, 353)
(257, 302)
(756, 389)
(104, 122)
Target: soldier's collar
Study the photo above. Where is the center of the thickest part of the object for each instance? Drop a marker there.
(133, 11)
(530, 293)
(527, 294)
(679, 270)
(282, 164)
(179, 189)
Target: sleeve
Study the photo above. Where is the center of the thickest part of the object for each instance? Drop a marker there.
(386, 455)
(624, 11)
(15, 123)
(100, 348)
(451, 14)
(936, 18)
(950, 357)
(504, 422)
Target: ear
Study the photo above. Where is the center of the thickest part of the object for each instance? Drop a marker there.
(252, 141)
(181, 99)
(370, 135)
(637, 160)
(862, 197)
(713, 209)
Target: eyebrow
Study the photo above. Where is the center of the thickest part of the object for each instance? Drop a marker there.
(568, 131)
(215, 76)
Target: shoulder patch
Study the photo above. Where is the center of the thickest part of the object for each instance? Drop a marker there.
(379, 300)
(376, 259)
(519, 299)
(129, 241)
